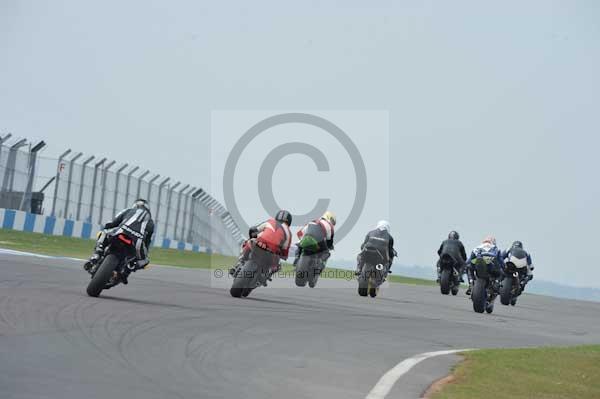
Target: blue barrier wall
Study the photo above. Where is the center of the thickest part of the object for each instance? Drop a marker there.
(24, 221)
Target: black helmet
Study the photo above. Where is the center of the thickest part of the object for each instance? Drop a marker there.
(253, 232)
(284, 217)
(453, 235)
(517, 244)
(141, 203)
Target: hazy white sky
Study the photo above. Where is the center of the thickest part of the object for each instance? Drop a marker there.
(493, 107)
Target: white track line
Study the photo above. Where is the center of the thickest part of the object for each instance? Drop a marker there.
(21, 253)
(385, 383)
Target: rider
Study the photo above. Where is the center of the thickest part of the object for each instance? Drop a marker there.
(454, 248)
(379, 240)
(137, 224)
(273, 240)
(316, 238)
(517, 254)
(488, 252)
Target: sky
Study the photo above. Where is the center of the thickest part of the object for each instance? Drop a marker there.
(491, 108)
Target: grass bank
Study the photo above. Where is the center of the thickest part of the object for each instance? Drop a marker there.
(82, 248)
(549, 373)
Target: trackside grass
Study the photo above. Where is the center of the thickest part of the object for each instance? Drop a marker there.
(82, 248)
(545, 373)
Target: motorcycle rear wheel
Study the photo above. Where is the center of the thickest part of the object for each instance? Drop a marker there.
(506, 291)
(240, 287)
(445, 281)
(479, 295)
(363, 286)
(102, 275)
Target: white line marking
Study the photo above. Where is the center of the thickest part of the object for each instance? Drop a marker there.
(21, 253)
(385, 383)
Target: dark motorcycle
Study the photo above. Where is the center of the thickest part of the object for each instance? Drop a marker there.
(450, 274)
(308, 269)
(119, 259)
(373, 273)
(485, 287)
(510, 288)
(515, 270)
(255, 272)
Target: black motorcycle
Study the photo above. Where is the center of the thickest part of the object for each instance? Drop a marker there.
(255, 272)
(514, 282)
(450, 274)
(510, 288)
(485, 286)
(373, 273)
(308, 269)
(119, 259)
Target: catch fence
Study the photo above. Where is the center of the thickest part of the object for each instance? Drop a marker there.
(93, 189)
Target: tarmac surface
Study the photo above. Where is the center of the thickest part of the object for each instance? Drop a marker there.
(177, 333)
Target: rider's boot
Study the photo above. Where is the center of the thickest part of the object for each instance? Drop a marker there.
(234, 270)
(94, 259)
(272, 271)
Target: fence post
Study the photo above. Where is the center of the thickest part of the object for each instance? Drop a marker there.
(150, 183)
(57, 179)
(131, 172)
(26, 199)
(2, 141)
(194, 199)
(94, 181)
(178, 210)
(81, 181)
(158, 204)
(169, 198)
(103, 193)
(11, 162)
(185, 208)
(139, 188)
(69, 178)
(117, 187)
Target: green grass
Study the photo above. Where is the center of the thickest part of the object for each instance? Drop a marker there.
(82, 248)
(548, 373)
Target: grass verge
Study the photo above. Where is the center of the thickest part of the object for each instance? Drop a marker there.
(549, 373)
(82, 248)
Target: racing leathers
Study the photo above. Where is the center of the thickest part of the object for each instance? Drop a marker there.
(456, 251)
(491, 255)
(378, 242)
(316, 239)
(273, 239)
(522, 260)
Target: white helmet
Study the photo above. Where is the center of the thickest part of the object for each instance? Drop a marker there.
(383, 225)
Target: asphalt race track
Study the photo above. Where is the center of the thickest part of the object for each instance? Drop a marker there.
(171, 333)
